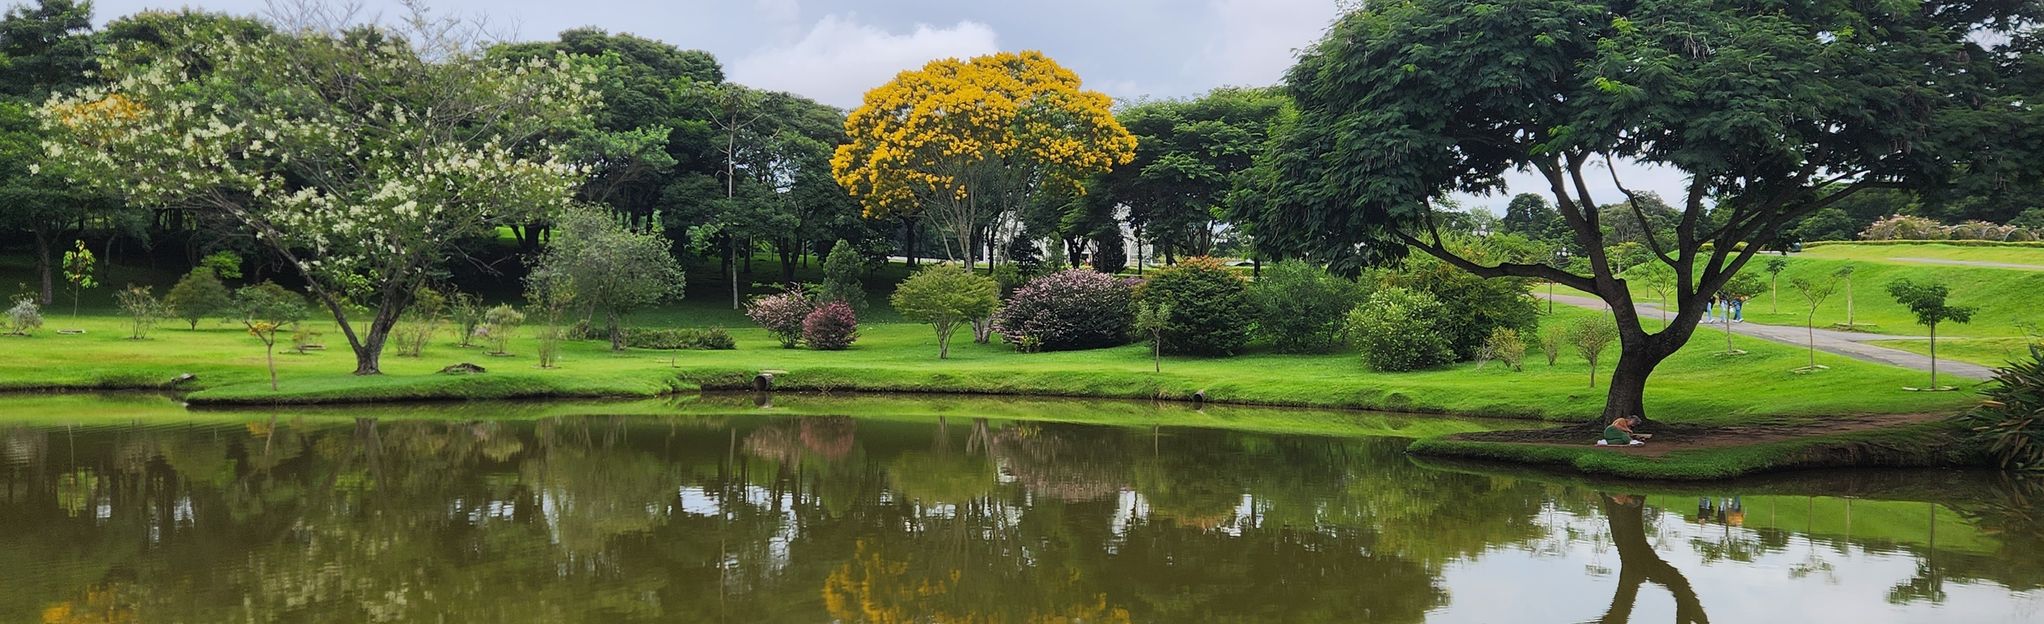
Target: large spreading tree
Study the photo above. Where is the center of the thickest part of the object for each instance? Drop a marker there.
(969, 143)
(1772, 112)
(365, 156)
(643, 135)
(1190, 155)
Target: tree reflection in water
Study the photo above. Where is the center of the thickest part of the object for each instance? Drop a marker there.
(280, 518)
(1639, 564)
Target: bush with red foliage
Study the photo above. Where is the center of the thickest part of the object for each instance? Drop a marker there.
(831, 327)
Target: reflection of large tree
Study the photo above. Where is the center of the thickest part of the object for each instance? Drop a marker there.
(1639, 564)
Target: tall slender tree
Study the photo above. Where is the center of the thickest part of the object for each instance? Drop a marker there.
(45, 48)
(1190, 154)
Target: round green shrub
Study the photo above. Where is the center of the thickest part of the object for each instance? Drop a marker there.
(1471, 307)
(1209, 304)
(1301, 308)
(1395, 330)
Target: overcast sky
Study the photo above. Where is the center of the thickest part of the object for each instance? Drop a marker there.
(834, 50)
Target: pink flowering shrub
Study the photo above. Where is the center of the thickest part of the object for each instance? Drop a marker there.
(1073, 309)
(831, 327)
(782, 314)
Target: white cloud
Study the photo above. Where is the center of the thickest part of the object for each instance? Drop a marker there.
(1122, 90)
(779, 10)
(840, 58)
(1253, 42)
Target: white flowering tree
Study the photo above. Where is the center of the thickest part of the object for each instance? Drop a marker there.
(365, 155)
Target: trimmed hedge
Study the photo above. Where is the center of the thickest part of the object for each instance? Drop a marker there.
(680, 338)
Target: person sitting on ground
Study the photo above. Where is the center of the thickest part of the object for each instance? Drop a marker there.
(1619, 432)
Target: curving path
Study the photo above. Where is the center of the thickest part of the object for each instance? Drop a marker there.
(1849, 344)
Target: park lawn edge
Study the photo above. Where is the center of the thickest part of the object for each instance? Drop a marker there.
(1936, 444)
(353, 389)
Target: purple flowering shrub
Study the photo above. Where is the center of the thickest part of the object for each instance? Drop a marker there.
(782, 314)
(1067, 310)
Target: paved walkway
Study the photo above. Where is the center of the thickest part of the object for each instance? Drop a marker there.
(1850, 344)
(1974, 263)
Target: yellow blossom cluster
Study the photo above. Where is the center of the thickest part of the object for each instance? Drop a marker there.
(874, 588)
(981, 128)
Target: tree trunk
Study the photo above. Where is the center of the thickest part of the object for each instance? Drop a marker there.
(1933, 357)
(1639, 564)
(369, 354)
(617, 330)
(1810, 325)
(44, 268)
(1848, 302)
(1139, 251)
(1626, 394)
(270, 356)
(908, 246)
(731, 267)
(788, 263)
(944, 341)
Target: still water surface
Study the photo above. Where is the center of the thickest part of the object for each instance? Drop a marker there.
(889, 509)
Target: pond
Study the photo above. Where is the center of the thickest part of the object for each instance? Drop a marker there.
(920, 509)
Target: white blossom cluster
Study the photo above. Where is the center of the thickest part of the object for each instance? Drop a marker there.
(364, 161)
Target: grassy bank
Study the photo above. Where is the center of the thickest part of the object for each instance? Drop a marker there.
(1932, 444)
(125, 408)
(1696, 385)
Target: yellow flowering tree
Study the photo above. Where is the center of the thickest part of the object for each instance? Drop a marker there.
(966, 143)
(365, 156)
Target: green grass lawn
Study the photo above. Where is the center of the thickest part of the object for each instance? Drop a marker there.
(1996, 352)
(2005, 298)
(1890, 252)
(1696, 385)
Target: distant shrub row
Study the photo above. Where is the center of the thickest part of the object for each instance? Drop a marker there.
(1915, 228)
(1428, 313)
(680, 338)
(1957, 243)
